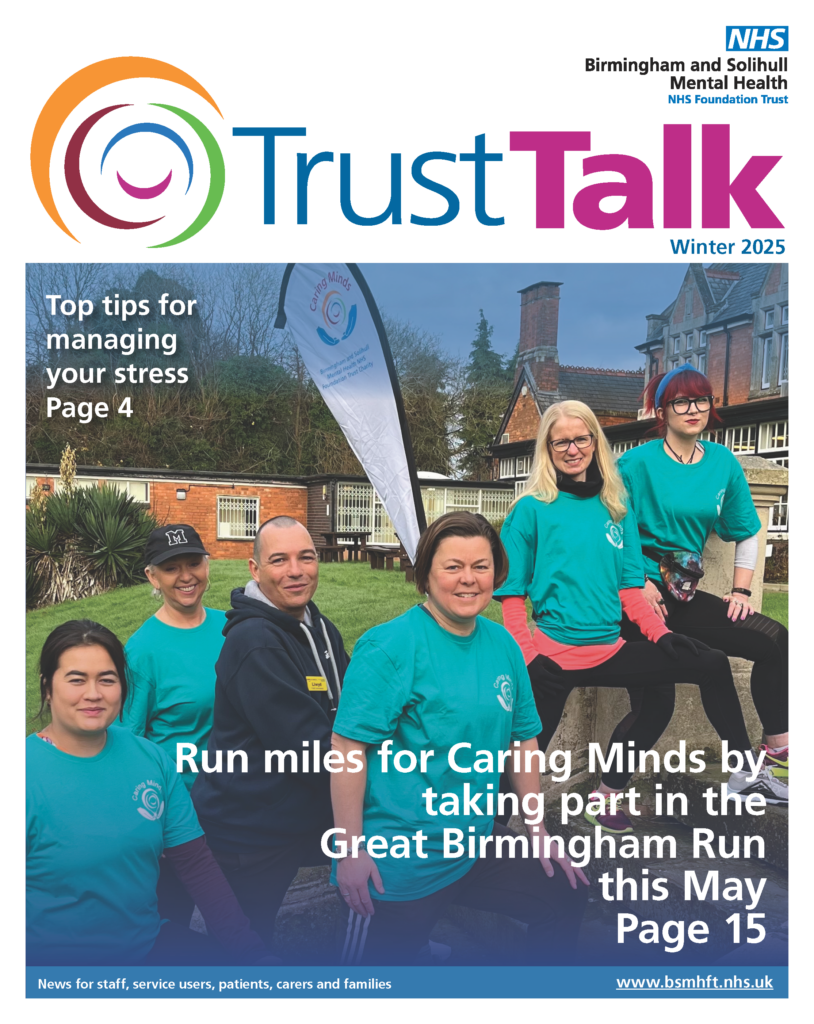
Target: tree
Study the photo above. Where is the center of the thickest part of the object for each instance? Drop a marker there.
(482, 402)
(485, 366)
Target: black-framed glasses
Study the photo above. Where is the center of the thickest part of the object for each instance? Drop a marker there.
(583, 441)
(682, 405)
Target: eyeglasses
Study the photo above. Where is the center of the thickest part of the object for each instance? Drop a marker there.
(682, 405)
(563, 444)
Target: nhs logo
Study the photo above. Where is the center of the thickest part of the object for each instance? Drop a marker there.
(757, 37)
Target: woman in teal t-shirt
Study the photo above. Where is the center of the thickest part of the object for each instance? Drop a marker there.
(102, 806)
(428, 702)
(682, 490)
(574, 551)
(171, 662)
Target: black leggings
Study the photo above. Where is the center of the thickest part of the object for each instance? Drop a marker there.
(757, 638)
(515, 886)
(646, 668)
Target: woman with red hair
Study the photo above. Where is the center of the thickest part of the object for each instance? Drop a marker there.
(682, 489)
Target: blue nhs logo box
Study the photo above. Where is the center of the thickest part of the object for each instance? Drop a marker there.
(757, 37)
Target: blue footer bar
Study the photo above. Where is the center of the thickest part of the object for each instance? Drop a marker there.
(405, 982)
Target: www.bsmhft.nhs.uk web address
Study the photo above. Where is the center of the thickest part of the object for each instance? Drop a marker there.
(709, 982)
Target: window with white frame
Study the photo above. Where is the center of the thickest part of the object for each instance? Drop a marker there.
(506, 468)
(688, 341)
(523, 467)
(504, 438)
(519, 487)
(688, 359)
(779, 517)
(782, 460)
(702, 362)
(741, 440)
(774, 436)
(768, 319)
(238, 518)
(139, 490)
(676, 343)
(784, 315)
(702, 339)
(673, 364)
(783, 370)
(765, 377)
(619, 447)
(708, 435)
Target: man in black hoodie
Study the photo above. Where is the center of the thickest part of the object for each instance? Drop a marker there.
(279, 677)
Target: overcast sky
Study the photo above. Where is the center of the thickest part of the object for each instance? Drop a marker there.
(602, 305)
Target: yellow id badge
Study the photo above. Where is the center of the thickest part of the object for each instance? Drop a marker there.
(317, 683)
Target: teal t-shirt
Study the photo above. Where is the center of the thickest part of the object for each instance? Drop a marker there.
(571, 559)
(411, 681)
(96, 827)
(172, 683)
(678, 506)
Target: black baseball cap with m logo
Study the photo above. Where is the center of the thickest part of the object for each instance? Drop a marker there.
(172, 540)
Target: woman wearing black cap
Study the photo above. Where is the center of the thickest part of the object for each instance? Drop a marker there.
(171, 661)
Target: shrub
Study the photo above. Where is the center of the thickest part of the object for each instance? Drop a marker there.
(83, 542)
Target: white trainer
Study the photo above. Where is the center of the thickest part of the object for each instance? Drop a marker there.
(773, 790)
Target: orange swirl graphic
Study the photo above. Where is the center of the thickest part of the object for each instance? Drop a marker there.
(77, 88)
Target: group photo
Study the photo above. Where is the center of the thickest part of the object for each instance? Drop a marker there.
(324, 562)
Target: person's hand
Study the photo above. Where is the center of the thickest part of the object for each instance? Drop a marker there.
(571, 873)
(546, 677)
(652, 595)
(352, 876)
(670, 643)
(740, 607)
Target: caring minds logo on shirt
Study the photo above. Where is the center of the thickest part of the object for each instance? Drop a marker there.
(719, 499)
(148, 795)
(613, 534)
(505, 697)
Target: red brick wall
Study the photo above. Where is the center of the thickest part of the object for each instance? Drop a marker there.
(740, 364)
(609, 421)
(200, 509)
(773, 280)
(524, 420)
(697, 304)
(547, 373)
(678, 312)
(716, 360)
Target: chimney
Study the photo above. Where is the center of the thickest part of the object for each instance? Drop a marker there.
(539, 316)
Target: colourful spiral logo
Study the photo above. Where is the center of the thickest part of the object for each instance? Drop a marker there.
(78, 181)
(336, 316)
(333, 310)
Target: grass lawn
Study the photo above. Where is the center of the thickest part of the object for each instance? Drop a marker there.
(350, 595)
(776, 606)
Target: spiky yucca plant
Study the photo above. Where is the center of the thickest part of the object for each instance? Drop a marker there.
(86, 542)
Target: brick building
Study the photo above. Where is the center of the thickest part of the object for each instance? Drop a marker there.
(226, 511)
(541, 381)
(731, 321)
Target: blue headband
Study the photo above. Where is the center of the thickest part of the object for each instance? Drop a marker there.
(686, 367)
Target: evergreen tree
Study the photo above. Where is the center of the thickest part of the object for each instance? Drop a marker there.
(485, 366)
